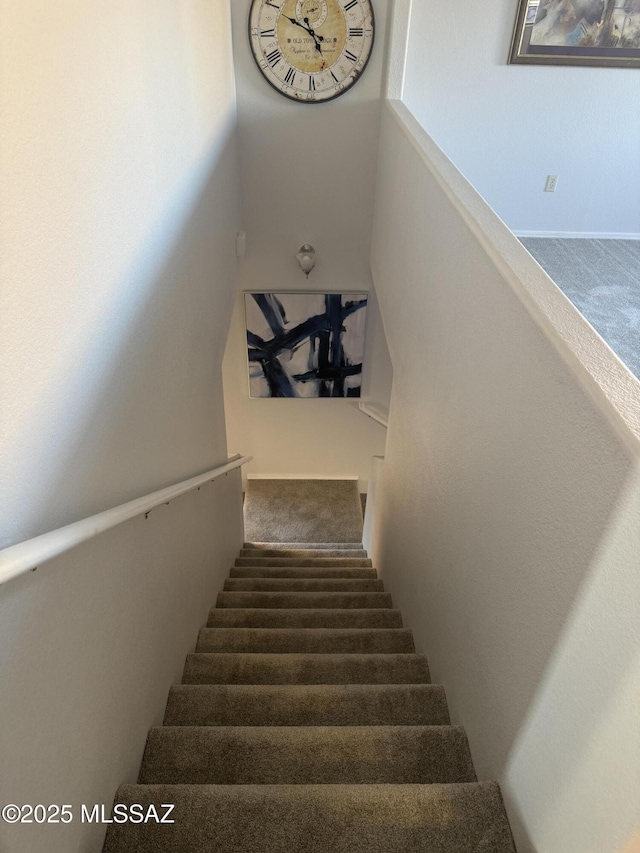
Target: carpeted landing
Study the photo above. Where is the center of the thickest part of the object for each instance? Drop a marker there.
(309, 511)
(307, 723)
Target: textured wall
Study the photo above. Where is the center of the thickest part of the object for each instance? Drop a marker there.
(508, 529)
(118, 211)
(308, 176)
(508, 127)
(90, 646)
(119, 207)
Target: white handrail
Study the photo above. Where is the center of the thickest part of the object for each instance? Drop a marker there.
(374, 414)
(26, 556)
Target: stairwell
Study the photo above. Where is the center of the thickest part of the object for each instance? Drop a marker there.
(306, 722)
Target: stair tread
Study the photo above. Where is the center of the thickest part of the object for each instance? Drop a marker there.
(247, 617)
(329, 572)
(292, 640)
(300, 562)
(293, 600)
(320, 546)
(303, 585)
(265, 668)
(276, 755)
(457, 818)
(307, 705)
(303, 552)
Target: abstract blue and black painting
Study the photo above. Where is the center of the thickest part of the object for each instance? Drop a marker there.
(305, 344)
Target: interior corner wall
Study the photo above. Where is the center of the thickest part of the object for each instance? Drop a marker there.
(119, 204)
(507, 127)
(308, 176)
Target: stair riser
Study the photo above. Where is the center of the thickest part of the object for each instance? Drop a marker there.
(327, 618)
(305, 600)
(299, 562)
(306, 640)
(468, 818)
(305, 669)
(302, 573)
(303, 553)
(308, 705)
(303, 546)
(300, 585)
(306, 756)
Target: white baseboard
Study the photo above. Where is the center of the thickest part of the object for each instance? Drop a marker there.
(578, 235)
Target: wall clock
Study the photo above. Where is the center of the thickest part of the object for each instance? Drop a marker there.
(311, 50)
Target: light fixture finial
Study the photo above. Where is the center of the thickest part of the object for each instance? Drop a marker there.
(306, 258)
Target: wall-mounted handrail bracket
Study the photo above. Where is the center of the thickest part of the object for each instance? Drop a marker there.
(375, 414)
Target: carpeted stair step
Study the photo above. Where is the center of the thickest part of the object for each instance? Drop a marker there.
(303, 585)
(305, 720)
(307, 705)
(301, 572)
(296, 668)
(317, 755)
(246, 617)
(303, 600)
(307, 640)
(304, 553)
(312, 562)
(461, 818)
(303, 546)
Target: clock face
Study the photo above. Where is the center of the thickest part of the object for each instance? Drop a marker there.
(311, 50)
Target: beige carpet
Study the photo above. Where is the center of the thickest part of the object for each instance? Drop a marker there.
(303, 511)
(307, 723)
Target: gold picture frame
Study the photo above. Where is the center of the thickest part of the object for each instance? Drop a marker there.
(599, 33)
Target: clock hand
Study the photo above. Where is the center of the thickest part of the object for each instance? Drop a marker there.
(297, 23)
(311, 32)
(316, 38)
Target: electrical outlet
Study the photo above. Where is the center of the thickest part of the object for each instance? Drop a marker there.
(551, 184)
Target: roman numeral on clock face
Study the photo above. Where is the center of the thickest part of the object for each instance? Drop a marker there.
(350, 55)
(274, 57)
(312, 84)
(268, 34)
(290, 77)
(356, 32)
(350, 5)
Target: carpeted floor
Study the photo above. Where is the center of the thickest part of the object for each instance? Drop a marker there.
(303, 511)
(602, 279)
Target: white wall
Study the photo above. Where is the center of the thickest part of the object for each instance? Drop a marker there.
(508, 127)
(508, 525)
(119, 204)
(119, 210)
(90, 646)
(308, 176)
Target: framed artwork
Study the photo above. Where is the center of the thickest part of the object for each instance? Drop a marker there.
(577, 32)
(305, 344)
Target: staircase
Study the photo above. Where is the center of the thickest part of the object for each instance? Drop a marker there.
(306, 723)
